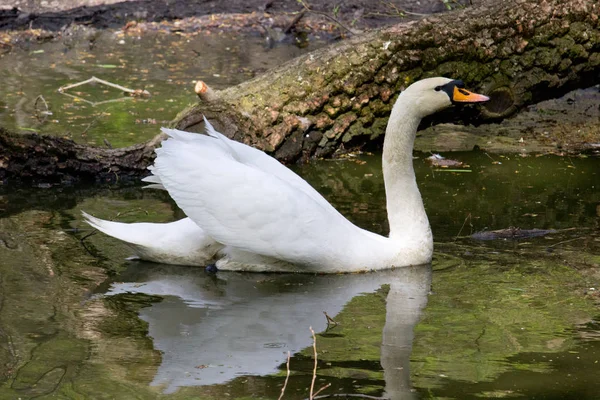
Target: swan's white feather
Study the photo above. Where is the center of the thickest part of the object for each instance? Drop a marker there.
(180, 242)
(154, 180)
(244, 154)
(158, 186)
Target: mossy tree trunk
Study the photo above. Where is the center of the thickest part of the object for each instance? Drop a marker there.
(517, 51)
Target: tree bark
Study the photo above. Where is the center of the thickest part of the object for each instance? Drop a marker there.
(517, 51)
(52, 159)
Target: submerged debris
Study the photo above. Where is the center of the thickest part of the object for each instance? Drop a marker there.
(511, 233)
(437, 160)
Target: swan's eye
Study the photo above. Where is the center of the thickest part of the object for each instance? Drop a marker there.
(438, 88)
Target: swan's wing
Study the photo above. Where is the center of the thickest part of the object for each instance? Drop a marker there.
(214, 143)
(246, 155)
(243, 206)
(154, 180)
(259, 159)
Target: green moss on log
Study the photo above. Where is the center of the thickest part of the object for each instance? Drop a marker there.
(342, 91)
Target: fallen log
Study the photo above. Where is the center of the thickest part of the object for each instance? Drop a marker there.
(518, 51)
(33, 157)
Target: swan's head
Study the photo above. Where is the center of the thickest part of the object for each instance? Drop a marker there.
(434, 94)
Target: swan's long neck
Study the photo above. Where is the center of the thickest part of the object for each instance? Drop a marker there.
(406, 213)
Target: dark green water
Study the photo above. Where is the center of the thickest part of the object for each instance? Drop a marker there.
(503, 318)
(165, 65)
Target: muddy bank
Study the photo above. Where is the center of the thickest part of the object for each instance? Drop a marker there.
(53, 16)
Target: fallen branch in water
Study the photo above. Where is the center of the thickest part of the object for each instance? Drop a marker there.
(97, 103)
(511, 233)
(132, 92)
(54, 159)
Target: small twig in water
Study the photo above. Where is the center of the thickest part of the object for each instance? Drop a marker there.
(82, 241)
(133, 92)
(490, 157)
(47, 111)
(87, 128)
(314, 377)
(330, 320)
(287, 377)
(567, 241)
(468, 217)
(320, 390)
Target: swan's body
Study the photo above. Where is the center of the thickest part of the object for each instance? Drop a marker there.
(246, 211)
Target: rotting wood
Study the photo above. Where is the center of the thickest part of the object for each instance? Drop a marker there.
(518, 51)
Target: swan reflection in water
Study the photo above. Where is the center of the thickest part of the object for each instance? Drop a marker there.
(239, 324)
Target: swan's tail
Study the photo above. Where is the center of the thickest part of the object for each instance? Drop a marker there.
(181, 242)
(129, 233)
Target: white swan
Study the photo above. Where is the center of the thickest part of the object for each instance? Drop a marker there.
(249, 212)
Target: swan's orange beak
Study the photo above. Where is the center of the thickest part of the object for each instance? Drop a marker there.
(461, 95)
